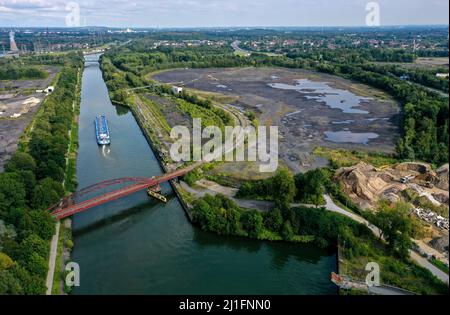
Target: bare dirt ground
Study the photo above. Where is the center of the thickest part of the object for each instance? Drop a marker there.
(19, 97)
(10, 131)
(304, 120)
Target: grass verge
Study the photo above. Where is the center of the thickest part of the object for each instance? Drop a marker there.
(344, 158)
(439, 264)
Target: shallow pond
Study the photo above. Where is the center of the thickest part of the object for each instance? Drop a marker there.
(347, 136)
(323, 92)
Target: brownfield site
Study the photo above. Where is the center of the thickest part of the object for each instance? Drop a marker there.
(310, 109)
(19, 101)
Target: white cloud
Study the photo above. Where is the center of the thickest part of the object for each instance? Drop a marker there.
(28, 4)
(166, 13)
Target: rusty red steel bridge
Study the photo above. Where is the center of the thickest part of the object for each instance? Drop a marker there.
(69, 205)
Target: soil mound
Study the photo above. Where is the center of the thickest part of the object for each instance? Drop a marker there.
(442, 177)
(440, 244)
(366, 184)
(361, 182)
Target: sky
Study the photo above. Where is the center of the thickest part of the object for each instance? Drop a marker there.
(218, 13)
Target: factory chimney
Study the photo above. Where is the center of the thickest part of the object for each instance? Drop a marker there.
(12, 42)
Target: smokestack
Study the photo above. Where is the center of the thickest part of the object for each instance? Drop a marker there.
(12, 42)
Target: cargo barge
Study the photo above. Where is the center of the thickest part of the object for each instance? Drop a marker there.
(102, 130)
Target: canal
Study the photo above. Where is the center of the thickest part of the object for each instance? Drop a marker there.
(137, 246)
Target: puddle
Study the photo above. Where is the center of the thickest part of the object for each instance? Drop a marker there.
(294, 113)
(350, 137)
(322, 92)
(343, 122)
(375, 119)
(239, 108)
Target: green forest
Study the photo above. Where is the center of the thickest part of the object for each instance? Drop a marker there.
(13, 72)
(31, 183)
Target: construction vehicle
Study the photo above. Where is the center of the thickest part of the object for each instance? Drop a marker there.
(407, 179)
(382, 168)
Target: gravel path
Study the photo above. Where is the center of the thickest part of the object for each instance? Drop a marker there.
(52, 260)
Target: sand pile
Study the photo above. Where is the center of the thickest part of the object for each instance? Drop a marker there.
(366, 185)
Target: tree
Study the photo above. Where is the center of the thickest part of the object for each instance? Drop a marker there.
(46, 193)
(252, 222)
(283, 188)
(9, 284)
(5, 261)
(38, 222)
(36, 265)
(396, 226)
(31, 284)
(28, 180)
(287, 232)
(50, 169)
(273, 220)
(203, 214)
(233, 217)
(21, 161)
(6, 232)
(13, 216)
(310, 186)
(12, 193)
(280, 188)
(39, 146)
(30, 245)
(217, 214)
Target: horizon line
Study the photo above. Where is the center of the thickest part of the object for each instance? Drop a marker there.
(231, 26)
